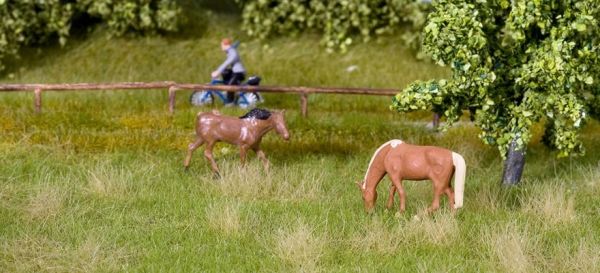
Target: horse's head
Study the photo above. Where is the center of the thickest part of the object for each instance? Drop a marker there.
(368, 196)
(277, 117)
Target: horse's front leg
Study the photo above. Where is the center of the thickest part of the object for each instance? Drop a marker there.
(209, 156)
(262, 157)
(191, 148)
(397, 185)
(390, 201)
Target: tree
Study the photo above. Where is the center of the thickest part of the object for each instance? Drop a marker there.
(514, 63)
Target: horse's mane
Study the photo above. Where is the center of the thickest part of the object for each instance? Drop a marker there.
(257, 113)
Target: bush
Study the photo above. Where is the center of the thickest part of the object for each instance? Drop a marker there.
(338, 20)
(27, 22)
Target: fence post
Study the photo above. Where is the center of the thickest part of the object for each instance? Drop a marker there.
(304, 104)
(37, 100)
(172, 90)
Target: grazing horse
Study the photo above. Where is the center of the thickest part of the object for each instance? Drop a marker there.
(405, 161)
(246, 132)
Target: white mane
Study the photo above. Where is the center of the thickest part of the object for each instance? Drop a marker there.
(393, 143)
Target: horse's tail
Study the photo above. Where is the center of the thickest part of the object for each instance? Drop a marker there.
(460, 169)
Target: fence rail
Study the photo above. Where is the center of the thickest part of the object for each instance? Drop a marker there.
(173, 87)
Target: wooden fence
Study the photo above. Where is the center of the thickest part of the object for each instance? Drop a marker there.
(173, 87)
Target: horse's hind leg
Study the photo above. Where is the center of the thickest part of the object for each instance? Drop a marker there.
(191, 148)
(450, 195)
(438, 190)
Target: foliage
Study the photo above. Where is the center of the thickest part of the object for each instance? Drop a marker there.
(30, 22)
(514, 63)
(27, 22)
(146, 16)
(338, 20)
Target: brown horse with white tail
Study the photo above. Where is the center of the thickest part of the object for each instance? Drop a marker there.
(401, 161)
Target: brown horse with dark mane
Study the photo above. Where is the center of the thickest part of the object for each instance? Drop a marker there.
(401, 161)
(246, 132)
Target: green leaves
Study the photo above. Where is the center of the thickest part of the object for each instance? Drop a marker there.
(135, 16)
(514, 63)
(337, 20)
(33, 22)
(28, 22)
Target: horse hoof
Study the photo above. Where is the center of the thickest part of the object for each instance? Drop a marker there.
(216, 176)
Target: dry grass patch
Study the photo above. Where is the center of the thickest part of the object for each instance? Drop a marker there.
(377, 237)
(45, 204)
(8, 190)
(300, 247)
(285, 183)
(108, 181)
(224, 218)
(591, 177)
(584, 258)
(489, 198)
(40, 254)
(510, 249)
(440, 229)
(552, 203)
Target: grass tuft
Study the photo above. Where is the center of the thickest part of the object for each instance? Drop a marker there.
(510, 248)
(300, 246)
(280, 183)
(107, 181)
(224, 218)
(41, 254)
(46, 204)
(441, 229)
(379, 237)
(387, 238)
(553, 203)
(582, 258)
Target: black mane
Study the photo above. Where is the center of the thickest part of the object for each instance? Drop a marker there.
(257, 113)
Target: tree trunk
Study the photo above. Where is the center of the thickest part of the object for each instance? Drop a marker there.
(436, 120)
(513, 165)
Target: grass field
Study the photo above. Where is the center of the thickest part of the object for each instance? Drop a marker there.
(95, 183)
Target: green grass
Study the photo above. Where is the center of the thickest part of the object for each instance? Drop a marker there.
(96, 182)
